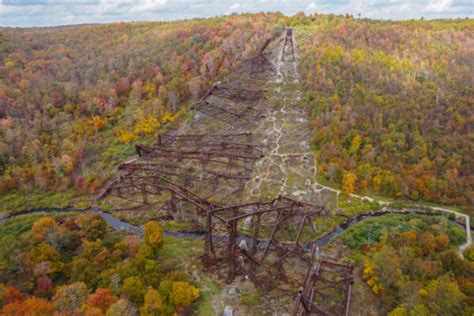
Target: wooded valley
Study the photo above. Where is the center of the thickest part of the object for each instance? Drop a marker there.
(348, 139)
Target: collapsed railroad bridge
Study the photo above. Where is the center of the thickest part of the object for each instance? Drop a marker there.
(201, 176)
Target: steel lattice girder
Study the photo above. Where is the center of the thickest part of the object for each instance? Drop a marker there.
(230, 104)
(324, 281)
(274, 237)
(214, 161)
(234, 92)
(127, 187)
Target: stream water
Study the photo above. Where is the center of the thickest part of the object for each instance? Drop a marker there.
(120, 225)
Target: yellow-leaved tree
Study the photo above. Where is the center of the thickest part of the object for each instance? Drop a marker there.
(153, 304)
(369, 276)
(126, 137)
(153, 235)
(348, 182)
(183, 294)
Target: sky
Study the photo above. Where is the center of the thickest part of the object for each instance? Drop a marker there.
(28, 13)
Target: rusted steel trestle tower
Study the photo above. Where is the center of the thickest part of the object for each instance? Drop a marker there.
(262, 238)
(325, 281)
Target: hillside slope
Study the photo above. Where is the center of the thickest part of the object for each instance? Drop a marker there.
(392, 105)
(73, 99)
(391, 102)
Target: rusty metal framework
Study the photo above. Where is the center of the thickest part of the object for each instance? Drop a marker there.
(138, 189)
(261, 240)
(260, 66)
(268, 242)
(230, 104)
(182, 164)
(326, 290)
(288, 45)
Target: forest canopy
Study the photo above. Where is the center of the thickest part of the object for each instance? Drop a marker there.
(75, 265)
(392, 105)
(391, 102)
(74, 99)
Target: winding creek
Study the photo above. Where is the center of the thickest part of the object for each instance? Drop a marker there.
(120, 225)
(277, 119)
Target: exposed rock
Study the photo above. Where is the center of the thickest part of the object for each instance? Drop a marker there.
(248, 222)
(233, 291)
(198, 116)
(243, 245)
(228, 311)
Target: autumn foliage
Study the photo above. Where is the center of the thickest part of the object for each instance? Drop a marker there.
(392, 104)
(419, 271)
(73, 99)
(183, 294)
(30, 306)
(153, 304)
(11, 295)
(101, 299)
(99, 273)
(153, 235)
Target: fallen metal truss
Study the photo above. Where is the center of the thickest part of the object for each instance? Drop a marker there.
(326, 291)
(260, 66)
(182, 164)
(231, 104)
(261, 240)
(138, 189)
(234, 92)
(269, 242)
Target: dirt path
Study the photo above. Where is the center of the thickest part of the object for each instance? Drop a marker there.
(288, 166)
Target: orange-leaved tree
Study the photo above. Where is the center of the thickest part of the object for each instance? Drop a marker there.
(102, 299)
(30, 306)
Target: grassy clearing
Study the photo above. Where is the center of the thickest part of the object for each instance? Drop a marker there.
(16, 202)
(181, 248)
(209, 288)
(188, 226)
(354, 206)
(327, 224)
(252, 298)
(137, 217)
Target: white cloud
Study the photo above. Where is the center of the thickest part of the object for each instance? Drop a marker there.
(233, 8)
(439, 5)
(361, 6)
(312, 7)
(148, 5)
(60, 12)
